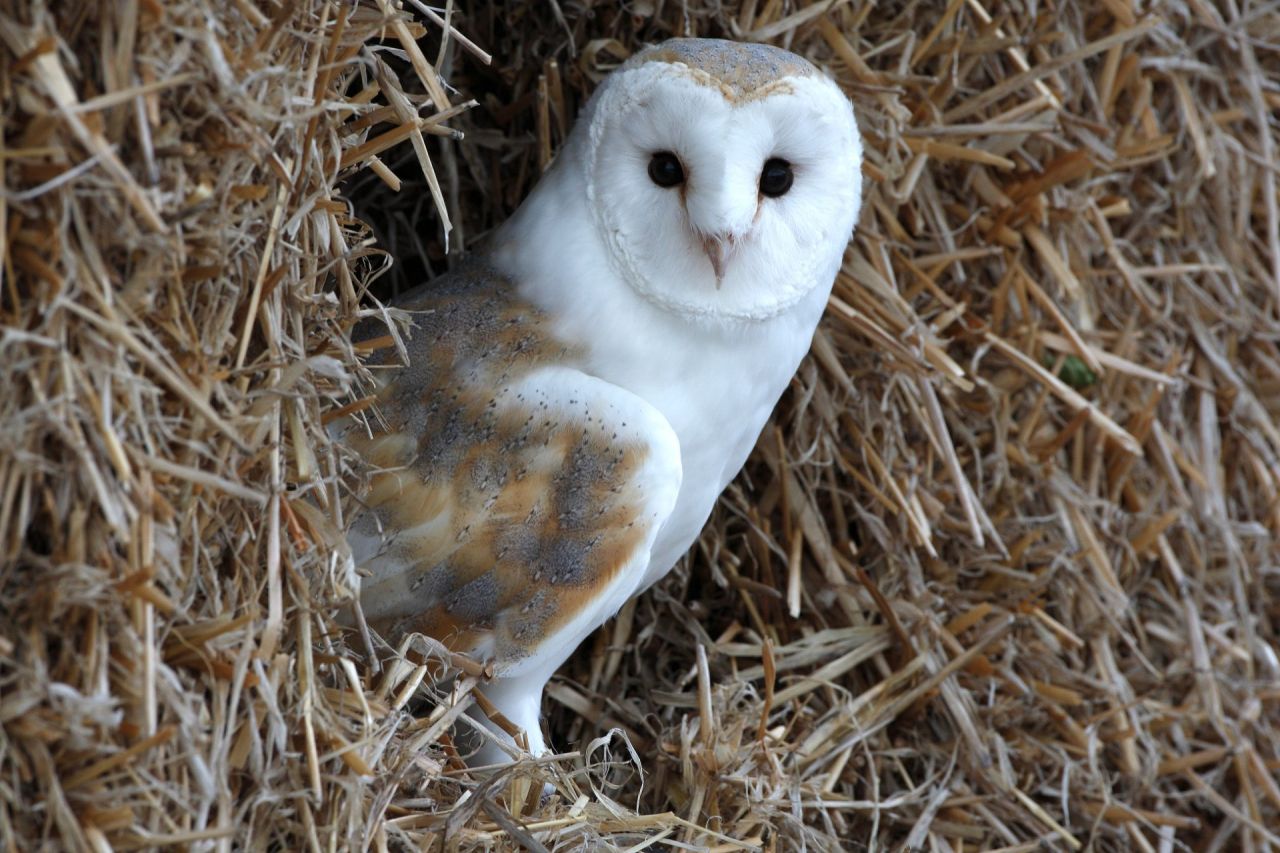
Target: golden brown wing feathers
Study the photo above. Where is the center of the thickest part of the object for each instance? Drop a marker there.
(511, 490)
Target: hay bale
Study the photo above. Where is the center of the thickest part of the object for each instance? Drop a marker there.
(1003, 574)
(180, 278)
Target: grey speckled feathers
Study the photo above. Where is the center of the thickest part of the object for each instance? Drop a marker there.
(510, 489)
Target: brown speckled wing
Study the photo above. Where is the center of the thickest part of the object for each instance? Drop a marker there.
(517, 497)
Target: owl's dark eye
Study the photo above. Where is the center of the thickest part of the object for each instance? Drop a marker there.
(776, 177)
(665, 170)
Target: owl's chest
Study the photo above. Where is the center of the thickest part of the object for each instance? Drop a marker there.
(717, 395)
(714, 445)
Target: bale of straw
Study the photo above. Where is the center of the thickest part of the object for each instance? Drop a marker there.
(1002, 574)
(180, 277)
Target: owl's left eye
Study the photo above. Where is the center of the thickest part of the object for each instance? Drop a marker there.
(665, 170)
(776, 177)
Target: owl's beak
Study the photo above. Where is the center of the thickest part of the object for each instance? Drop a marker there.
(719, 248)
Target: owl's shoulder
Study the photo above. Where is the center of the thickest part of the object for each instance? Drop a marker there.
(468, 330)
(477, 313)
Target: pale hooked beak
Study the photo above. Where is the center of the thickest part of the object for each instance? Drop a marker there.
(719, 248)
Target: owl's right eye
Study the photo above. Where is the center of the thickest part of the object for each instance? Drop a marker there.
(665, 170)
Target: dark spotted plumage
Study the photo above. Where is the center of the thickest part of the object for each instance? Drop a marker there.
(502, 506)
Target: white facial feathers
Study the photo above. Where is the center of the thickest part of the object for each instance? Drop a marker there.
(717, 245)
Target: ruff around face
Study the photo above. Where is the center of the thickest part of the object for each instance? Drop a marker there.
(722, 176)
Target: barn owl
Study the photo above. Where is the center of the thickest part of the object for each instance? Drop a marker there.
(578, 396)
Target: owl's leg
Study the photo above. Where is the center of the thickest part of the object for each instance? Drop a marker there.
(519, 699)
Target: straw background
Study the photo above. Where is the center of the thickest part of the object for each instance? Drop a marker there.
(1002, 573)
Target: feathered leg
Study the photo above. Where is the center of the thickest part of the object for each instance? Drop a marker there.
(519, 699)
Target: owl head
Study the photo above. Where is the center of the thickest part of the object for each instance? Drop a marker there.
(725, 178)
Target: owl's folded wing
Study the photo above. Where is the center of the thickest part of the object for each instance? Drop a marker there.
(509, 524)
